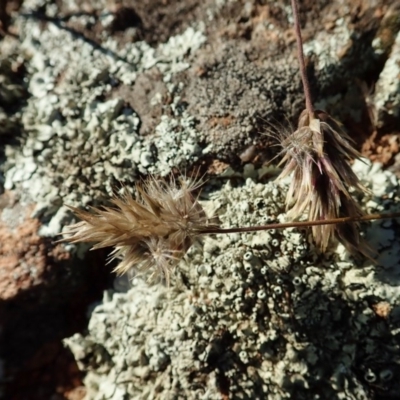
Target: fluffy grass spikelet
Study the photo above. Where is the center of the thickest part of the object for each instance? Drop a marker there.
(150, 232)
(318, 155)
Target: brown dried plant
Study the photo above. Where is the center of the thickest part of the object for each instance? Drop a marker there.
(318, 154)
(150, 232)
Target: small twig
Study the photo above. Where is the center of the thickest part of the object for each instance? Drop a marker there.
(300, 56)
(299, 224)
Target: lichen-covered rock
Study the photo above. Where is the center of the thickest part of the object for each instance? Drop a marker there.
(117, 91)
(257, 315)
(386, 46)
(212, 91)
(387, 91)
(79, 138)
(346, 54)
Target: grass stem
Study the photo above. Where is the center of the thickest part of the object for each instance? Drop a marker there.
(299, 224)
(300, 56)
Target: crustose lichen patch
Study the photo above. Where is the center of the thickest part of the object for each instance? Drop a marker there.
(254, 315)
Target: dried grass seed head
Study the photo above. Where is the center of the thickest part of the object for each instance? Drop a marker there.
(151, 232)
(318, 155)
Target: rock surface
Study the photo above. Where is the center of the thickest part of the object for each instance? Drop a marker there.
(258, 315)
(95, 94)
(44, 292)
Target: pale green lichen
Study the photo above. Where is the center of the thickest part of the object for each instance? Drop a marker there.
(257, 315)
(79, 140)
(387, 90)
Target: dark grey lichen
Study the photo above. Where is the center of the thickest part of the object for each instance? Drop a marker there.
(233, 98)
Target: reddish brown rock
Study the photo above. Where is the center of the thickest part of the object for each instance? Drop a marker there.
(44, 294)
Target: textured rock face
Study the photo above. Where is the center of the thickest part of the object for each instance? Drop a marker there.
(94, 94)
(110, 107)
(42, 290)
(78, 144)
(256, 315)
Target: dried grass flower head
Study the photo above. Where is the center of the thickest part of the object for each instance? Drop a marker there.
(318, 154)
(150, 232)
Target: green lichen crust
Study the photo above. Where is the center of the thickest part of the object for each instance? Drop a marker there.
(80, 138)
(258, 315)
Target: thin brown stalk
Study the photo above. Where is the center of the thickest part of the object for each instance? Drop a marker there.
(300, 56)
(300, 224)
